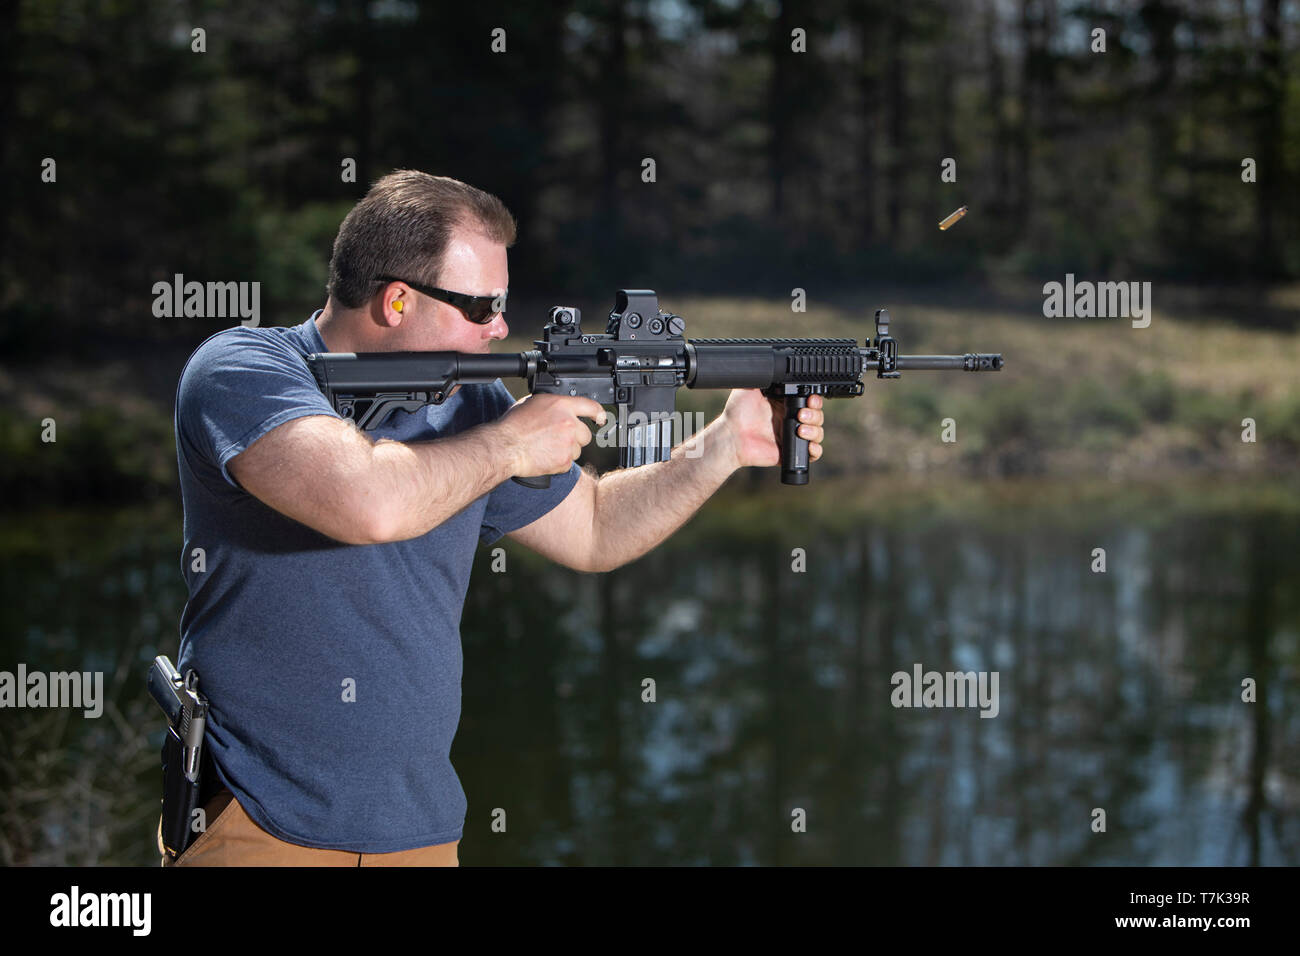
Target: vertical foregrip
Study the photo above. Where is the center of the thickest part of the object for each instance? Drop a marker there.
(794, 450)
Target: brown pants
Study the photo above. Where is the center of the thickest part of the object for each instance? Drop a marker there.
(233, 839)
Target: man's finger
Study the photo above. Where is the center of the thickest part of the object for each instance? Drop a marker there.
(587, 408)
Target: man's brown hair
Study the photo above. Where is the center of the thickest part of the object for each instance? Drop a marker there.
(402, 227)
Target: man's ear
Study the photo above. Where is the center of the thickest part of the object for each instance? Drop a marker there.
(388, 315)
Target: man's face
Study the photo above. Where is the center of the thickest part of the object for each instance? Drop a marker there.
(473, 265)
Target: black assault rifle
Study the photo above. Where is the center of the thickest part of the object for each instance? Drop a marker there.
(637, 364)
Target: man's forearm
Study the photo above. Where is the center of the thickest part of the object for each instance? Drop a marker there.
(417, 486)
(637, 508)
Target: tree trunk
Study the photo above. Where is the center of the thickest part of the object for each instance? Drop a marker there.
(779, 119)
(999, 169)
(612, 105)
(896, 95)
(1268, 149)
(868, 96)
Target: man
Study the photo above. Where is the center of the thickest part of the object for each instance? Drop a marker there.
(323, 616)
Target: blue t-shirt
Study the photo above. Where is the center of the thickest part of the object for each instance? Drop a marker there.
(284, 624)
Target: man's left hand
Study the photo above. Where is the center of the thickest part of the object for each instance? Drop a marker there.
(755, 423)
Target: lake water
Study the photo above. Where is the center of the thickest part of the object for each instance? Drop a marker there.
(773, 736)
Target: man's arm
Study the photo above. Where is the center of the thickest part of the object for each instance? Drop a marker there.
(324, 473)
(605, 523)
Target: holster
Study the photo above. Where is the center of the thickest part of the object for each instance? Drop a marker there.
(181, 797)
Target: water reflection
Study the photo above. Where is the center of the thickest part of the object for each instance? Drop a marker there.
(1118, 690)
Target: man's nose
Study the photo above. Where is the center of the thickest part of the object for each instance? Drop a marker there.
(497, 328)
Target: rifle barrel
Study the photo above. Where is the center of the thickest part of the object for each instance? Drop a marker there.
(971, 361)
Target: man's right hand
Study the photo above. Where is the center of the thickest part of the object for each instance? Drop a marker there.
(545, 434)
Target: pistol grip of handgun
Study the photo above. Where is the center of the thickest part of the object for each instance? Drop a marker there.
(537, 481)
(794, 450)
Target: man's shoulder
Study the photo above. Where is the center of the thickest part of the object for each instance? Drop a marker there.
(241, 382)
(239, 338)
(242, 347)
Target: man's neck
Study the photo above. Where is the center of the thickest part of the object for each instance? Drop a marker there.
(336, 333)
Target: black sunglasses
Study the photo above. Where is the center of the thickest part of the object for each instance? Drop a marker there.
(477, 308)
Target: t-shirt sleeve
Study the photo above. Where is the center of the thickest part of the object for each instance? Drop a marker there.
(510, 505)
(236, 387)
